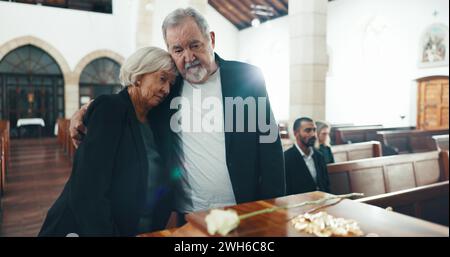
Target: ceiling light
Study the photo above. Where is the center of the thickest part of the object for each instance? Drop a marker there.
(256, 22)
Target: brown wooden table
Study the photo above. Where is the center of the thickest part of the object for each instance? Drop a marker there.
(371, 219)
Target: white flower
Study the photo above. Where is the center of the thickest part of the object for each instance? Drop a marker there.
(222, 221)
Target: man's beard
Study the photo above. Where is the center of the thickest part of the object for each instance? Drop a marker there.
(195, 72)
(310, 142)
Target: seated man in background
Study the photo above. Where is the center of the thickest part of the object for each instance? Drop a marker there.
(306, 170)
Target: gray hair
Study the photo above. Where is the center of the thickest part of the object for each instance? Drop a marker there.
(145, 60)
(176, 17)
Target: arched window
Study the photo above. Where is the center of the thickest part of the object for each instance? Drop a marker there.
(99, 77)
(31, 86)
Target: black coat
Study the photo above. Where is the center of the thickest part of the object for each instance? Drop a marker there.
(106, 190)
(256, 170)
(298, 177)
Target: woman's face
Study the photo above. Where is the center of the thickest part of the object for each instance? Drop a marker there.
(156, 86)
(323, 135)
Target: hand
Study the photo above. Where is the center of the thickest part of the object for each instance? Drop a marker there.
(77, 129)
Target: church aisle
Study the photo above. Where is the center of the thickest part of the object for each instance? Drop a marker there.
(36, 176)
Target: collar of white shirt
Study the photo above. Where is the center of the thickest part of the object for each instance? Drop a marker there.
(311, 151)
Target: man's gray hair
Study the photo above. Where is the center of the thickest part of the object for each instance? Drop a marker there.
(176, 17)
(143, 61)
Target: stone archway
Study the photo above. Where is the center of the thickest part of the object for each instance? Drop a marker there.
(95, 55)
(73, 100)
(52, 51)
(30, 40)
(19, 42)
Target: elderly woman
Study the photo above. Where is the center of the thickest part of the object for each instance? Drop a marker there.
(119, 185)
(323, 142)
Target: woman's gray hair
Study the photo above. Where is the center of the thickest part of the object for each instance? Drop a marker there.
(176, 17)
(143, 61)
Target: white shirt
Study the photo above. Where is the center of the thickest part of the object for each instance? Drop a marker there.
(309, 161)
(205, 180)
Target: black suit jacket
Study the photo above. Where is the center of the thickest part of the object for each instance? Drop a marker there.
(298, 177)
(105, 193)
(256, 170)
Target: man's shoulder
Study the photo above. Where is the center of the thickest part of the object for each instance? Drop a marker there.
(319, 156)
(241, 66)
(318, 153)
(291, 152)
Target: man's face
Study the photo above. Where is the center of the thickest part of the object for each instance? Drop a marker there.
(191, 51)
(306, 134)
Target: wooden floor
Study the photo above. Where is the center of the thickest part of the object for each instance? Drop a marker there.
(36, 176)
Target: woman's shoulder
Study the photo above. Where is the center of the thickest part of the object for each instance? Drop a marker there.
(113, 106)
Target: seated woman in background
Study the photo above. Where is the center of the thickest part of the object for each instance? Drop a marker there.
(323, 142)
(119, 184)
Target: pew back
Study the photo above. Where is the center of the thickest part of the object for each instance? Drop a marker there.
(388, 174)
(4, 153)
(334, 127)
(441, 142)
(351, 152)
(64, 137)
(2, 169)
(430, 202)
(410, 141)
(361, 134)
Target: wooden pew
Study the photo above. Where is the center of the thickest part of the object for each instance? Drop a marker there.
(4, 153)
(351, 152)
(382, 175)
(441, 142)
(2, 180)
(430, 202)
(362, 134)
(5, 128)
(410, 141)
(70, 148)
(2, 168)
(64, 137)
(335, 127)
(60, 136)
(4, 159)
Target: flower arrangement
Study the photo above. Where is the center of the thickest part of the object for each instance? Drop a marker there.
(225, 221)
(324, 225)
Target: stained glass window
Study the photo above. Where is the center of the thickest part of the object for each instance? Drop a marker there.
(29, 60)
(100, 77)
(103, 71)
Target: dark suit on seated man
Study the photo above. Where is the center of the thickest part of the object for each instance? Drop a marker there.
(306, 170)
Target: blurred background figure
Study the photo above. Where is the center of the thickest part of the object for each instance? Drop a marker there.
(323, 141)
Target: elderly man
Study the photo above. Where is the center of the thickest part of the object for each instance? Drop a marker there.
(220, 167)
